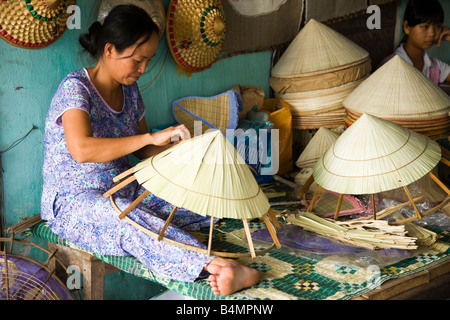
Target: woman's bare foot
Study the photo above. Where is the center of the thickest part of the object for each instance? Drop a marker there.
(228, 276)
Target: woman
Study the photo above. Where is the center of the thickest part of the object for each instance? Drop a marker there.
(423, 28)
(95, 120)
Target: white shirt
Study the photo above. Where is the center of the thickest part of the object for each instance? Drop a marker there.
(444, 68)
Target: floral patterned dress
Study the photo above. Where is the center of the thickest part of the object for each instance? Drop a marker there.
(73, 201)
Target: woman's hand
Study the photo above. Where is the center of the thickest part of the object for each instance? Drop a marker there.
(171, 134)
(444, 35)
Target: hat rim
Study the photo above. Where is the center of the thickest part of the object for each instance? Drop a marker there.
(183, 62)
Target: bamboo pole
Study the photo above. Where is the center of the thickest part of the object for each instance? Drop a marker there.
(306, 186)
(166, 225)
(439, 182)
(249, 238)
(338, 207)
(412, 202)
(211, 227)
(123, 174)
(274, 218)
(272, 231)
(119, 186)
(374, 207)
(134, 204)
(314, 199)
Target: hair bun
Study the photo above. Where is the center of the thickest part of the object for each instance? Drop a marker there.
(89, 40)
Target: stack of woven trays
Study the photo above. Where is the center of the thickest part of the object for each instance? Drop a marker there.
(400, 93)
(316, 73)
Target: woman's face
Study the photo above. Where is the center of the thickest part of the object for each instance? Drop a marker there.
(423, 35)
(126, 67)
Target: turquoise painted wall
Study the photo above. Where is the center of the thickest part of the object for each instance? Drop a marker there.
(442, 52)
(29, 78)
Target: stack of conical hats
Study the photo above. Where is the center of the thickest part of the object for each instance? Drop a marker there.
(316, 73)
(399, 92)
(375, 155)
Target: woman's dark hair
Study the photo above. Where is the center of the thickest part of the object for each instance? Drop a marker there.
(423, 11)
(123, 27)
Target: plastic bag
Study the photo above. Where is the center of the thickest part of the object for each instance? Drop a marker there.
(281, 117)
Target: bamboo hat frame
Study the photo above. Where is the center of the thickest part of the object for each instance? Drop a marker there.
(376, 155)
(206, 175)
(33, 24)
(195, 33)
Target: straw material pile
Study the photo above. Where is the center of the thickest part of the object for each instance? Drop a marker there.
(375, 155)
(316, 73)
(206, 175)
(402, 94)
(371, 234)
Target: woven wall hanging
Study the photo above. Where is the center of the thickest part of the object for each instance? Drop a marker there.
(33, 24)
(195, 32)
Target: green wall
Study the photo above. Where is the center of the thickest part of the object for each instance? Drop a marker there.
(29, 78)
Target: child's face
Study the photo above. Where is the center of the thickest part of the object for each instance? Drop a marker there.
(423, 35)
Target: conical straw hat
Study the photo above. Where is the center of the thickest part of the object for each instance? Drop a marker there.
(316, 147)
(375, 155)
(317, 47)
(33, 24)
(398, 90)
(195, 33)
(205, 175)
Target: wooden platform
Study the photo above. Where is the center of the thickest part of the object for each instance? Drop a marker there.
(429, 284)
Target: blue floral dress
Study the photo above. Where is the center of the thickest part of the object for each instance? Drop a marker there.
(73, 201)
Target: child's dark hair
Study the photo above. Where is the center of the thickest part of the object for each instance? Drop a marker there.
(423, 11)
(123, 27)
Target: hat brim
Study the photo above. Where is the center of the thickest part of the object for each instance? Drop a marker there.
(31, 25)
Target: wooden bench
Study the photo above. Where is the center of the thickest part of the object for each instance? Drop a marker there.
(92, 269)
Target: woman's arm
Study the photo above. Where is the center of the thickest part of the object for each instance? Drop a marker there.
(84, 147)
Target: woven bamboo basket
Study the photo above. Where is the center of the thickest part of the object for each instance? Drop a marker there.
(207, 176)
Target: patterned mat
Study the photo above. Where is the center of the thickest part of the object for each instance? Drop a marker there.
(285, 274)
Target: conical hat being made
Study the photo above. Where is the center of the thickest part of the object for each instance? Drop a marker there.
(217, 112)
(398, 90)
(317, 47)
(154, 8)
(33, 24)
(195, 33)
(206, 175)
(375, 155)
(316, 147)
